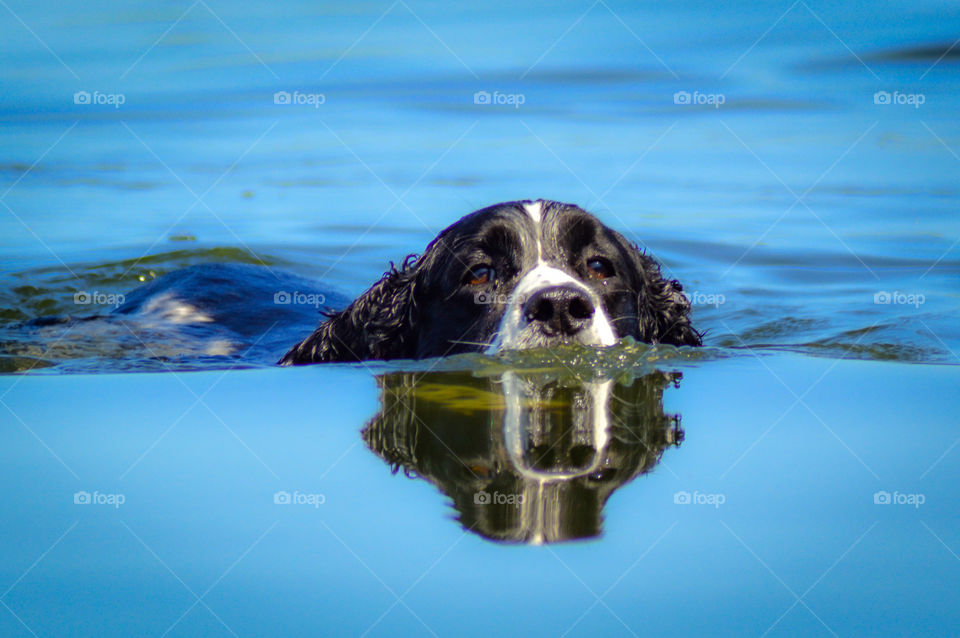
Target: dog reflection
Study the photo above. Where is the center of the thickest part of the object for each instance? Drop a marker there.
(525, 457)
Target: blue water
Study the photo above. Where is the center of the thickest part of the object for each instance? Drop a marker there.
(814, 225)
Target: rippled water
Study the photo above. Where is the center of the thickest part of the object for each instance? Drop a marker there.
(788, 211)
(795, 166)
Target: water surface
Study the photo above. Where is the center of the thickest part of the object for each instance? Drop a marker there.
(796, 477)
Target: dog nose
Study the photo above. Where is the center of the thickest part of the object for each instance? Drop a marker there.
(559, 310)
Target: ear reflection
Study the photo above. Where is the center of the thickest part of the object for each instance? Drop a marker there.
(525, 457)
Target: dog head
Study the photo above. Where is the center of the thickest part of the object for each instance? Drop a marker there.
(523, 274)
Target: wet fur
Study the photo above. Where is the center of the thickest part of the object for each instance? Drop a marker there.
(386, 321)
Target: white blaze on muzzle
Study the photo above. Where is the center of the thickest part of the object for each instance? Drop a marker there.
(514, 325)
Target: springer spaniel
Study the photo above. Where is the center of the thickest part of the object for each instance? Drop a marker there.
(527, 274)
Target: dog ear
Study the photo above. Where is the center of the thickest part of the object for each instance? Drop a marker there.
(377, 325)
(664, 311)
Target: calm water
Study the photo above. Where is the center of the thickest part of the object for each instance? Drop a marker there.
(795, 165)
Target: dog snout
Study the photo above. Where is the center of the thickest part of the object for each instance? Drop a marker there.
(563, 310)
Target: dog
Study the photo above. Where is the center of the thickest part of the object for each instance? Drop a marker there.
(526, 274)
(516, 275)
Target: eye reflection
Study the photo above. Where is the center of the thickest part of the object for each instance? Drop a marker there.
(525, 457)
(480, 275)
(599, 268)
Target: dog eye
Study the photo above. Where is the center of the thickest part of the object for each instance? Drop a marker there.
(599, 268)
(480, 275)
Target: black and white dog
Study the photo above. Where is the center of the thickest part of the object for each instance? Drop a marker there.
(524, 274)
(529, 274)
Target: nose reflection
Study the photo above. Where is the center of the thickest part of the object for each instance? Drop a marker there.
(525, 457)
